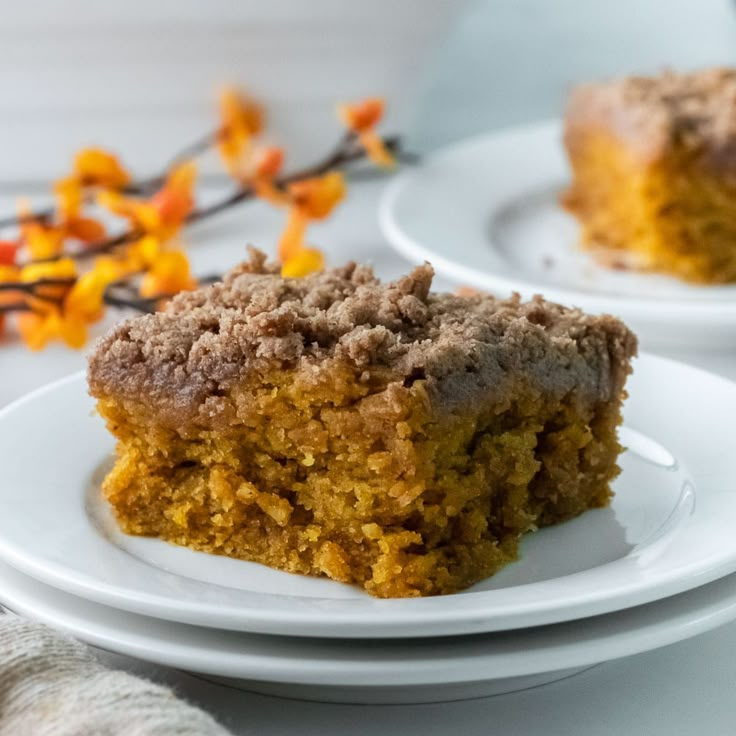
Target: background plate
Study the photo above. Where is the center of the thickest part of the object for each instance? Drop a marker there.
(485, 212)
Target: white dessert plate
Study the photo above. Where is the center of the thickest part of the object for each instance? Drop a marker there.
(485, 212)
(420, 670)
(669, 529)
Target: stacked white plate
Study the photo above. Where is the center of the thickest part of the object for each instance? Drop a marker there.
(486, 212)
(652, 569)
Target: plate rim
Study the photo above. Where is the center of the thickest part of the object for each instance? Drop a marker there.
(405, 614)
(470, 659)
(692, 312)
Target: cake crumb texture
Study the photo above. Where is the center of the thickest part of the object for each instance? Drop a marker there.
(378, 434)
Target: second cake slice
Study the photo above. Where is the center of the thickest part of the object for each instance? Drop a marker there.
(654, 172)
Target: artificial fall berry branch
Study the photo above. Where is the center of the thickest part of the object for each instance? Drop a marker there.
(63, 268)
(347, 152)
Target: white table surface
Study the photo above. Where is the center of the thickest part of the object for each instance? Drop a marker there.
(686, 688)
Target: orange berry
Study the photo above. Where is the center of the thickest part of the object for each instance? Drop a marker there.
(306, 261)
(292, 239)
(8, 252)
(317, 197)
(169, 274)
(96, 167)
(362, 115)
(86, 229)
(269, 162)
(241, 118)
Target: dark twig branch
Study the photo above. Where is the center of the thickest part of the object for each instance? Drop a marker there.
(194, 149)
(142, 187)
(124, 295)
(42, 215)
(347, 152)
(129, 299)
(14, 307)
(33, 287)
(95, 249)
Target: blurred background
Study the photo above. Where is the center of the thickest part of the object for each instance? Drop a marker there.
(512, 61)
(140, 77)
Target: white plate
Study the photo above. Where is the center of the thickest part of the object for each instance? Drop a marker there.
(485, 212)
(370, 671)
(670, 529)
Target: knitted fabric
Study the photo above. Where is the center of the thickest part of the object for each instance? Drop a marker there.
(51, 685)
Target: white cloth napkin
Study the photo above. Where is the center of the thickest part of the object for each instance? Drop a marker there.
(51, 685)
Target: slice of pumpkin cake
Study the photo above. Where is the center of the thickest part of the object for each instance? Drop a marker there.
(376, 433)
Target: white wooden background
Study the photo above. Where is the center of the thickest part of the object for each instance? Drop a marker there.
(512, 61)
(140, 75)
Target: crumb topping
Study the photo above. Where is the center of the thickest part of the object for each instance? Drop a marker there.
(207, 340)
(696, 109)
